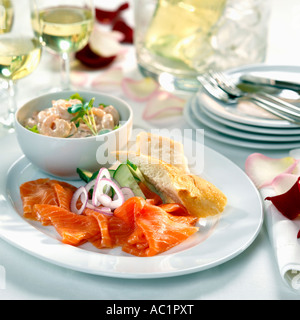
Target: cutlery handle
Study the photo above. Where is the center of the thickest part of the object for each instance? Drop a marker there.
(276, 109)
(270, 82)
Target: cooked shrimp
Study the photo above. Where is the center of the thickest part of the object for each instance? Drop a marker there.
(111, 110)
(55, 127)
(42, 115)
(108, 122)
(65, 103)
(98, 115)
(61, 108)
(74, 129)
(30, 122)
(63, 113)
(57, 121)
(84, 128)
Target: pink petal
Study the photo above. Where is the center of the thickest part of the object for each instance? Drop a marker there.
(109, 79)
(263, 170)
(284, 182)
(79, 79)
(163, 104)
(105, 43)
(140, 90)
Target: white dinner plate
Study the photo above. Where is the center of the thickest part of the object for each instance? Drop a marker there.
(232, 112)
(250, 128)
(232, 140)
(254, 136)
(217, 242)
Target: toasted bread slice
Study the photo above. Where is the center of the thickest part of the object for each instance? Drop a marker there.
(200, 197)
(162, 148)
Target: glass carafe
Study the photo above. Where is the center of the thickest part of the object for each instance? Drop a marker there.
(179, 39)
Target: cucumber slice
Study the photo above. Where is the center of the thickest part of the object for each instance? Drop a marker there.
(136, 172)
(125, 178)
(88, 176)
(139, 176)
(85, 175)
(111, 172)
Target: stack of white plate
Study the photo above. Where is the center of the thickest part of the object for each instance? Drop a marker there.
(243, 124)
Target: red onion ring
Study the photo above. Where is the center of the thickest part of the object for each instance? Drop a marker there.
(82, 193)
(103, 210)
(114, 203)
(127, 193)
(105, 200)
(100, 201)
(90, 185)
(102, 173)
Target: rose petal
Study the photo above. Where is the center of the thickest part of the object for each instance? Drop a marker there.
(109, 79)
(79, 79)
(121, 26)
(163, 104)
(263, 170)
(296, 170)
(284, 182)
(105, 43)
(90, 59)
(288, 203)
(107, 16)
(140, 90)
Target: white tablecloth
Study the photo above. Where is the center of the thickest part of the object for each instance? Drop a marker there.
(251, 275)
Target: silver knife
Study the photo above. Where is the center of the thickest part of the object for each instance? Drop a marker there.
(247, 78)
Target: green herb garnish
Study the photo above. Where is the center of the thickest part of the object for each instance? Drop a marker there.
(76, 96)
(33, 129)
(84, 113)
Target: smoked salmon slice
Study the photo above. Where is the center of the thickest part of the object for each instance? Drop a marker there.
(45, 191)
(150, 195)
(74, 229)
(141, 227)
(157, 232)
(119, 231)
(129, 210)
(36, 192)
(64, 195)
(178, 213)
(105, 241)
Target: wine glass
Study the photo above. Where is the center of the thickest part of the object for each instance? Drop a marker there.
(20, 52)
(6, 16)
(64, 27)
(6, 21)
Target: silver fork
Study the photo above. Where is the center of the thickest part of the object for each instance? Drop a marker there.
(212, 88)
(266, 101)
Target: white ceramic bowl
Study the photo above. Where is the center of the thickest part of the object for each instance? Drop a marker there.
(60, 157)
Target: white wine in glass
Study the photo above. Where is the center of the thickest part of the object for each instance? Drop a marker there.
(6, 22)
(18, 57)
(6, 16)
(64, 27)
(20, 52)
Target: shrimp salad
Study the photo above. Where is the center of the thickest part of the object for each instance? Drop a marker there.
(74, 118)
